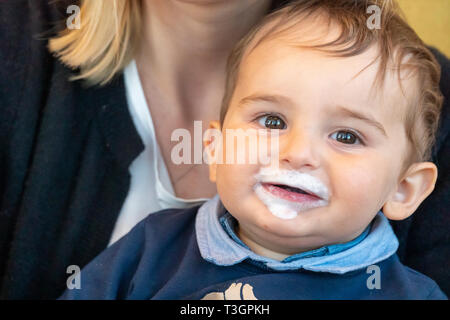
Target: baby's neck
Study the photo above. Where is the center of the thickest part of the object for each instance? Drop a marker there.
(259, 249)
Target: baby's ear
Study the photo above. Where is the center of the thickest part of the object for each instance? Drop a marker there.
(212, 143)
(416, 184)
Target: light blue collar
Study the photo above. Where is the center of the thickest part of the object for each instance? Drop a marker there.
(229, 224)
(216, 246)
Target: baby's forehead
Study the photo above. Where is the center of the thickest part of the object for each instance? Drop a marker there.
(276, 62)
(391, 95)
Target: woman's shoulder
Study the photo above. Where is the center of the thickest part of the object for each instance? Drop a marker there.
(26, 26)
(26, 62)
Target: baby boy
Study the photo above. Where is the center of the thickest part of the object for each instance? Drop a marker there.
(355, 110)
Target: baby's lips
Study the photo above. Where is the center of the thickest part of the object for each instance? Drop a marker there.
(322, 195)
(289, 194)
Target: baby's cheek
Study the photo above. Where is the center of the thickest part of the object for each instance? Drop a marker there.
(360, 187)
(234, 182)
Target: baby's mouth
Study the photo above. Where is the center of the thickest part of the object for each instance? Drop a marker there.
(290, 193)
(286, 193)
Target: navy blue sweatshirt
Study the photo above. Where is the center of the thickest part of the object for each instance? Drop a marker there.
(160, 259)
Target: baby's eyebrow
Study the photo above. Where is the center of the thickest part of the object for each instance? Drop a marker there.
(278, 99)
(360, 116)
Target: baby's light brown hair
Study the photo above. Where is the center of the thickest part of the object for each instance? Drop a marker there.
(400, 49)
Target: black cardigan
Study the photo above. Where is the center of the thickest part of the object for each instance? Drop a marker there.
(64, 155)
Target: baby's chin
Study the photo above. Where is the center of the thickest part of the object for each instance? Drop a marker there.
(313, 228)
(256, 214)
(286, 238)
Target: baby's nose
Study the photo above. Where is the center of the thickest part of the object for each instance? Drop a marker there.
(299, 149)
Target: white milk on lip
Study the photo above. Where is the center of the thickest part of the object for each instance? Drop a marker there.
(285, 209)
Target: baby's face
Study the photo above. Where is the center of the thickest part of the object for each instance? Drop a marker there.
(331, 127)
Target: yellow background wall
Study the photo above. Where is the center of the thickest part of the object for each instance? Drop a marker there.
(431, 20)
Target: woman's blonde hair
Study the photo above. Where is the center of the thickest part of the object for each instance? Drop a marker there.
(104, 44)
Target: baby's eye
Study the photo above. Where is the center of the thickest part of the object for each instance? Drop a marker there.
(272, 122)
(346, 137)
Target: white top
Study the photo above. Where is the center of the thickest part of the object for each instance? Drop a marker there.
(150, 189)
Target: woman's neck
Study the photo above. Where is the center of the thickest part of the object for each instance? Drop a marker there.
(185, 45)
